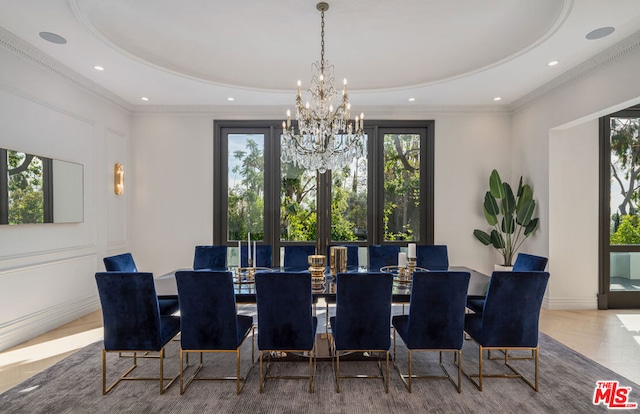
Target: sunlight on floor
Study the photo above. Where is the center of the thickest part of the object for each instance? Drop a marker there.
(630, 322)
(50, 348)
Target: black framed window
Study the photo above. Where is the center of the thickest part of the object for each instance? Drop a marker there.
(619, 285)
(384, 197)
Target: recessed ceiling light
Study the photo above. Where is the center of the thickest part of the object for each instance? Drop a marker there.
(144, 98)
(553, 63)
(600, 33)
(412, 99)
(53, 38)
(497, 98)
(230, 99)
(98, 67)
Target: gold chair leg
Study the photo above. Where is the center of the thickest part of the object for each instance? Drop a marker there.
(338, 372)
(410, 369)
(386, 377)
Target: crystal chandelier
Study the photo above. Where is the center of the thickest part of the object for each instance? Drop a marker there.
(326, 137)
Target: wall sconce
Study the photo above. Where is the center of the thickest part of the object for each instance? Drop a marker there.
(118, 179)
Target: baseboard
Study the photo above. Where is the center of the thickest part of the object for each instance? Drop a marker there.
(570, 303)
(27, 327)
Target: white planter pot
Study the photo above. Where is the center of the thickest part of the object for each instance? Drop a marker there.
(500, 268)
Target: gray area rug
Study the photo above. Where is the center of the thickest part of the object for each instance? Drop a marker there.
(567, 383)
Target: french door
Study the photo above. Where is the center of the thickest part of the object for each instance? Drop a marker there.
(383, 197)
(620, 210)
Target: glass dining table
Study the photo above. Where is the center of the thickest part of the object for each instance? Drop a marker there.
(245, 289)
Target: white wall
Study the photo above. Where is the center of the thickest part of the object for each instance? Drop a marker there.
(573, 216)
(601, 91)
(47, 270)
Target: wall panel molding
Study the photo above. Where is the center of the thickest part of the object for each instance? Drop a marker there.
(43, 258)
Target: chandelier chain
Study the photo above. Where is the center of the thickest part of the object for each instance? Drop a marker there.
(322, 41)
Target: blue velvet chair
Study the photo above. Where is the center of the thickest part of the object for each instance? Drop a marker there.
(509, 320)
(296, 257)
(524, 263)
(132, 321)
(208, 321)
(285, 320)
(120, 263)
(528, 262)
(124, 263)
(353, 264)
(362, 321)
(382, 255)
(264, 253)
(435, 321)
(210, 258)
(432, 257)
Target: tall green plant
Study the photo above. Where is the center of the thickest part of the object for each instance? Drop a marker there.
(511, 217)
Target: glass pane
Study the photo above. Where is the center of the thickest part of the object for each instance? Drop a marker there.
(349, 201)
(625, 179)
(625, 271)
(26, 195)
(297, 203)
(245, 186)
(401, 187)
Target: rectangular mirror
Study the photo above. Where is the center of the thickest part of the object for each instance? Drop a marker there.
(36, 189)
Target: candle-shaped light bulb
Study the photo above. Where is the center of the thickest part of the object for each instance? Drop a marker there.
(307, 104)
(288, 118)
(299, 85)
(330, 108)
(322, 77)
(284, 125)
(345, 81)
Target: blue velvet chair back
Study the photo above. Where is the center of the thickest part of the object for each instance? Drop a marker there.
(263, 251)
(436, 312)
(285, 320)
(120, 263)
(363, 311)
(528, 262)
(512, 309)
(210, 258)
(382, 255)
(432, 257)
(208, 311)
(130, 312)
(296, 257)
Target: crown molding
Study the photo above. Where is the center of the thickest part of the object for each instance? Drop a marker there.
(34, 55)
(278, 111)
(616, 51)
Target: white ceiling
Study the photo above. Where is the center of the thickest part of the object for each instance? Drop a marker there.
(200, 52)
